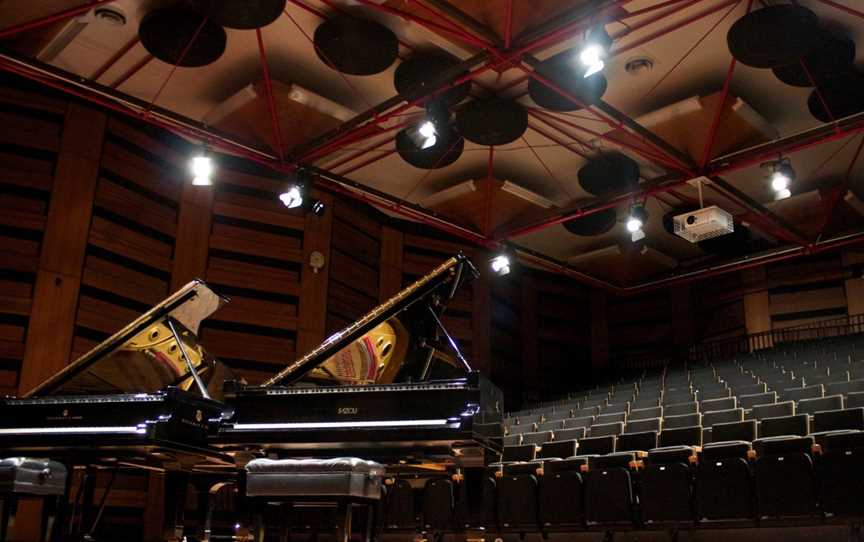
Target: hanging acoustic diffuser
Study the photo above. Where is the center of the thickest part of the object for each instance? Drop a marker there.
(843, 97)
(594, 224)
(421, 74)
(774, 36)
(446, 150)
(241, 14)
(560, 70)
(166, 34)
(355, 46)
(492, 122)
(609, 174)
(832, 58)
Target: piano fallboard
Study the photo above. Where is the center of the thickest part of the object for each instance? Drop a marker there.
(436, 415)
(120, 423)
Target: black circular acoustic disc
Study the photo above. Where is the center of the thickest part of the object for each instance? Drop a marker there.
(166, 33)
(593, 224)
(832, 58)
(355, 46)
(774, 36)
(492, 122)
(609, 174)
(446, 150)
(843, 97)
(241, 14)
(420, 75)
(562, 70)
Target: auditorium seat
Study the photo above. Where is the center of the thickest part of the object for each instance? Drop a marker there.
(597, 445)
(838, 420)
(679, 409)
(713, 394)
(840, 473)
(604, 419)
(616, 408)
(551, 425)
(646, 413)
(776, 410)
(751, 389)
(646, 402)
(749, 401)
(796, 394)
(559, 497)
(666, 485)
(573, 433)
(798, 424)
(684, 420)
(606, 429)
(609, 496)
(684, 436)
(537, 438)
(399, 510)
(512, 440)
(636, 441)
(723, 479)
(718, 404)
(638, 426)
(438, 505)
(713, 417)
(586, 421)
(844, 388)
(785, 476)
(855, 399)
(811, 406)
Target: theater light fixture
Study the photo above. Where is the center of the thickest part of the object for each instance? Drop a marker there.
(594, 52)
(636, 221)
(782, 176)
(201, 167)
(296, 195)
(500, 264)
(425, 134)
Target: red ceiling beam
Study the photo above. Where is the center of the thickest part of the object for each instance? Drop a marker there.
(845, 9)
(839, 191)
(561, 142)
(133, 69)
(115, 58)
(271, 99)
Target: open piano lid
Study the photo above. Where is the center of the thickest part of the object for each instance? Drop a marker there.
(442, 281)
(144, 356)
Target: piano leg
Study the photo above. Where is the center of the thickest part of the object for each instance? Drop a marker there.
(176, 487)
(343, 516)
(65, 512)
(9, 504)
(88, 511)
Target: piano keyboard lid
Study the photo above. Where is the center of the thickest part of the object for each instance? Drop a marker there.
(145, 357)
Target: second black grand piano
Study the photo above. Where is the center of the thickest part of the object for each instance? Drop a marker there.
(392, 386)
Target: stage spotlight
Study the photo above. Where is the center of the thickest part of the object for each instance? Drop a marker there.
(636, 222)
(201, 166)
(425, 134)
(292, 196)
(500, 264)
(595, 51)
(782, 176)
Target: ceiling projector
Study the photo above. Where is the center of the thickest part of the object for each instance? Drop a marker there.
(703, 224)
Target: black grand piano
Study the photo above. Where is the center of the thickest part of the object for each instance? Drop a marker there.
(393, 386)
(149, 394)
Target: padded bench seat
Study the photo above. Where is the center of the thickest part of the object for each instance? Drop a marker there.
(345, 477)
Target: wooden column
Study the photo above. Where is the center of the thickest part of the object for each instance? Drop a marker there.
(599, 330)
(312, 317)
(854, 259)
(390, 270)
(481, 317)
(757, 302)
(530, 324)
(61, 263)
(193, 235)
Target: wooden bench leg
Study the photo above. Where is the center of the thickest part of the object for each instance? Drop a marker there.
(343, 530)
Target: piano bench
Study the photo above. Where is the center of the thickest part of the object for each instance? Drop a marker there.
(344, 480)
(28, 477)
(340, 477)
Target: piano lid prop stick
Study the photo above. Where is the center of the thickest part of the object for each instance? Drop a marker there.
(201, 387)
(453, 344)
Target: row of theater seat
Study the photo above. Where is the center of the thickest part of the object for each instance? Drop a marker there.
(801, 466)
